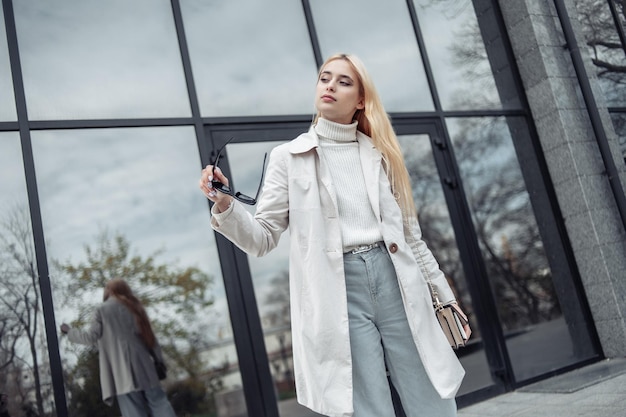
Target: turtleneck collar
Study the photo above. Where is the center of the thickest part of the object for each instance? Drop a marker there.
(336, 131)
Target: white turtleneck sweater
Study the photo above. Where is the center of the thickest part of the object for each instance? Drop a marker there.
(340, 151)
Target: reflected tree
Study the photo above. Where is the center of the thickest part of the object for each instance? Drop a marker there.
(508, 235)
(22, 355)
(175, 298)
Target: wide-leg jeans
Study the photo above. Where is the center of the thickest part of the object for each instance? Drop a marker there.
(381, 341)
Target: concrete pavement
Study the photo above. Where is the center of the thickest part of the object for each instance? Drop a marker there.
(597, 390)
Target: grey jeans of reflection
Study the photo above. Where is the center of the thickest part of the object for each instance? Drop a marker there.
(380, 340)
(152, 402)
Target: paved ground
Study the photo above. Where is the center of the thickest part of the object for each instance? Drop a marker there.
(597, 390)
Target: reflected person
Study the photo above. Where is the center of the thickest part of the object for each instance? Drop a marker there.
(123, 334)
(360, 304)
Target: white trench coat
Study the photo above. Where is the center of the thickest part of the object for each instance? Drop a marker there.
(298, 194)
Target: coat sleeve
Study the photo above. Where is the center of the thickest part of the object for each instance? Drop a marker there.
(91, 335)
(259, 234)
(427, 261)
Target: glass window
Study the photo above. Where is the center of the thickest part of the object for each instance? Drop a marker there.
(250, 57)
(437, 232)
(533, 321)
(7, 100)
(457, 55)
(270, 277)
(381, 34)
(619, 123)
(25, 385)
(89, 59)
(606, 52)
(124, 203)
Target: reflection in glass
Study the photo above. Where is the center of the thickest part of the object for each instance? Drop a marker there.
(89, 59)
(606, 52)
(534, 326)
(381, 34)
(250, 57)
(120, 203)
(437, 232)
(457, 55)
(7, 100)
(25, 381)
(270, 276)
(619, 123)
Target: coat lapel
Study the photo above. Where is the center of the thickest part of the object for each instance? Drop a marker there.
(371, 166)
(328, 197)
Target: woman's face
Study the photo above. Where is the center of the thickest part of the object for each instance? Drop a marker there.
(337, 95)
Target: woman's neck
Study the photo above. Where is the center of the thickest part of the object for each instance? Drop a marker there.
(336, 131)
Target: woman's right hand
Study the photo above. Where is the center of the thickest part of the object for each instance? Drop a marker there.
(221, 200)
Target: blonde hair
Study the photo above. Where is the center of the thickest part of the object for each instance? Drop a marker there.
(374, 122)
(119, 289)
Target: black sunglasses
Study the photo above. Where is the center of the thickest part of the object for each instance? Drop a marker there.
(223, 188)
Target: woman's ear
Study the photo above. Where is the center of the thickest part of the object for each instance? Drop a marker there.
(361, 104)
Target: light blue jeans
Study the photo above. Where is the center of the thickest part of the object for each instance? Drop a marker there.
(152, 402)
(380, 340)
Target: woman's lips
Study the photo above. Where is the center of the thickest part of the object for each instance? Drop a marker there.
(327, 97)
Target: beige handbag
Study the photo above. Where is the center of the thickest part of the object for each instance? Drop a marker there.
(449, 319)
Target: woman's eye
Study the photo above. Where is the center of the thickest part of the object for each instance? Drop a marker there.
(346, 83)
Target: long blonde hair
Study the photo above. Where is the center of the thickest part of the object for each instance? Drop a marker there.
(119, 289)
(375, 123)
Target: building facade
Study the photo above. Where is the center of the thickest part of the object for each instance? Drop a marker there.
(511, 116)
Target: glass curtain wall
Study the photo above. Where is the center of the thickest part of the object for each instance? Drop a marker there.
(127, 99)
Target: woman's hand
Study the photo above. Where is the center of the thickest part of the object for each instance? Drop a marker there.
(466, 326)
(221, 200)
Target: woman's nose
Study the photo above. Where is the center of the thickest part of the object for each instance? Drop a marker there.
(330, 86)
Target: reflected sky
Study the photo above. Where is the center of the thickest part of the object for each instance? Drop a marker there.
(141, 182)
(250, 57)
(13, 184)
(380, 33)
(7, 100)
(457, 54)
(89, 59)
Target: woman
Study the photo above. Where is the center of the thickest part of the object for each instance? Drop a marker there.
(124, 336)
(360, 304)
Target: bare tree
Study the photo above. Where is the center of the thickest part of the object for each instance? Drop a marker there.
(20, 305)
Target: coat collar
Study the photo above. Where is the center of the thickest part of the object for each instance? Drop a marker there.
(371, 160)
(309, 140)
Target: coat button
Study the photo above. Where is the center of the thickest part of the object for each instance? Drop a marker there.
(393, 248)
